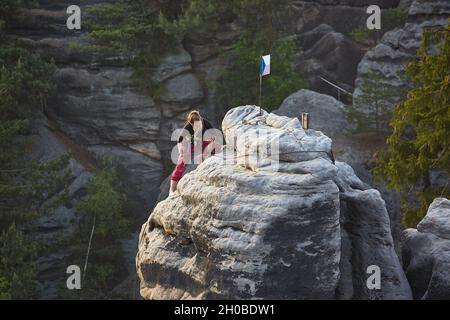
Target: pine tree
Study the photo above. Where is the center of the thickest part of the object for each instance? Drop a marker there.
(25, 183)
(16, 267)
(372, 109)
(420, 141)
(104, 207)
(148, 29)
(238, 84)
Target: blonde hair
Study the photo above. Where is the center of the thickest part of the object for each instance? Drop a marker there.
(193, 116)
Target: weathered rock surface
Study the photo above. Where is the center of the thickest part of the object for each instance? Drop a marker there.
(326, 113)
(330, 55)
(389, 58)
(358, 3)
(183, 89)
(242, 228)
(343, 16)
(365, 225)
(98, 107)
(102, 107)
(57, 225)
(426, 253)
(96, 103)
(173, 64)
(437, 220)
(102, 111)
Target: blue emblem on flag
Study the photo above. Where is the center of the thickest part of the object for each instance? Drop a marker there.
(264, 67)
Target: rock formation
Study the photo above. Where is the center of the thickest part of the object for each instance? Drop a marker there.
(397, 47)
(96, 104)
(323, 33)
(426, 253)
(290, 224)
(95, 90)
(331, 55)
(326, 113)
(100, 109)
(57, 225)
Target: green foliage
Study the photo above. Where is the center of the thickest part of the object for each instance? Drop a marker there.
(364, 36)
(9, 7)
(239, 83)
(193, 15)
(390, 19)
(17, 264)
(106, 200)
(420, 141)
(104, 207)
(394, 18)
(148, 29)
(372, 110)
(4, 289)
(26, 184)
(24, 79)
(136, 28)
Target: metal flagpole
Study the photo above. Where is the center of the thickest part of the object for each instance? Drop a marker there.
(260, 86)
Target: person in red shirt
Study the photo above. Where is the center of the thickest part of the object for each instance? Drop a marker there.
(189, 144)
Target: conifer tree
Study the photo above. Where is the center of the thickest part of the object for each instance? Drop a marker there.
(372, 109)
(25, 183)
(149, 29)
(420, 141)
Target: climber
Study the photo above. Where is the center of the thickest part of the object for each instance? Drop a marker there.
(189, 144)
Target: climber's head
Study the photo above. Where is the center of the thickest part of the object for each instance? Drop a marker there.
(193, 116)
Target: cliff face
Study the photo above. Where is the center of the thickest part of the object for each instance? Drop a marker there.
(95, 111)
(57, 224)
(327, 115)
(95, 103)
(302, 227)
(426, 253)
(98, 108)
(397, 47)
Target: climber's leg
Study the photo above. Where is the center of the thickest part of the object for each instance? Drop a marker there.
(176, 175)
(173, 186)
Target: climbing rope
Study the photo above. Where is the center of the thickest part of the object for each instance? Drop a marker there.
(88, 250)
